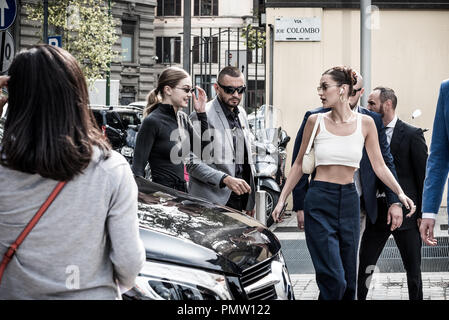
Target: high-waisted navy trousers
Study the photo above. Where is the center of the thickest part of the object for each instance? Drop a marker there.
(332, 227)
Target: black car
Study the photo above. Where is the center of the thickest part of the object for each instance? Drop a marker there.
(120, 124)
(197, 250)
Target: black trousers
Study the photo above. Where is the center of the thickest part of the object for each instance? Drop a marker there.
(331, 220)
(373, 241)
(238, 202)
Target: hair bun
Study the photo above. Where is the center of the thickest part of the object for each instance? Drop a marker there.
(354, 78)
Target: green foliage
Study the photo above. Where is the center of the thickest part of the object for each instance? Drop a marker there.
(256, 37)
(88, 31)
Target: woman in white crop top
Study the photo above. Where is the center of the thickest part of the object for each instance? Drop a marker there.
(331, 206)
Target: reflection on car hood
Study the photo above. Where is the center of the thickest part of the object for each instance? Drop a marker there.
(178, 228)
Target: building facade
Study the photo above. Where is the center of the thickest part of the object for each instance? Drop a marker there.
(216, 41)
(134, 70)
(409, 53)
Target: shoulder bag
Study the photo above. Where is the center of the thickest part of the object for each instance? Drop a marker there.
(308, 160)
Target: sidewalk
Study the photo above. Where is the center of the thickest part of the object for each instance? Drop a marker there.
(384, 286)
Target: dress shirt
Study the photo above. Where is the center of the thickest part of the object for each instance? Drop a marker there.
(389, 128)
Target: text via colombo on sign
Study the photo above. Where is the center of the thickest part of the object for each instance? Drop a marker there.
(8, 12)
(298, 29)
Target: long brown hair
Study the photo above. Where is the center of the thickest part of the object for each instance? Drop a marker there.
(49, 129)
(169, 77)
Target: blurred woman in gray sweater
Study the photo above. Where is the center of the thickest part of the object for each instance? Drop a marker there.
(87, 241)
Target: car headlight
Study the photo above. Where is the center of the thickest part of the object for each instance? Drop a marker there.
(127, 151)
(161, 281)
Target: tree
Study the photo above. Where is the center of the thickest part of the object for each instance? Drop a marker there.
(87, 29)
(256, 37)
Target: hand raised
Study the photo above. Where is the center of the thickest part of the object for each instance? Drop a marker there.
(199, 103)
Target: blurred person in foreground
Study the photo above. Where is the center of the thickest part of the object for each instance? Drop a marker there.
(437, 167)
(87, 242)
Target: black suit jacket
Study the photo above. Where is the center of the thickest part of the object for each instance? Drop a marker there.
(409, 150)
(368, 178)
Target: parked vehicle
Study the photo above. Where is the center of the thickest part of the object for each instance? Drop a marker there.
(120, 124)
(197, 250)
(138, 105)
(269, 155)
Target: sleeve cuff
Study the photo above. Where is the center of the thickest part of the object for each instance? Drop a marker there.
(427, 215)
(222, 185)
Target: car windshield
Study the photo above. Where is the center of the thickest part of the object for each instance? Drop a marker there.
(129, 118)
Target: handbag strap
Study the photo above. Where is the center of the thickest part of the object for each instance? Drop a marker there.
(312, 137)
(13, 248)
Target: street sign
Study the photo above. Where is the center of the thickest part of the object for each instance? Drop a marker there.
(8, 12)
(297, 29)
(55, 41)
(6, 50)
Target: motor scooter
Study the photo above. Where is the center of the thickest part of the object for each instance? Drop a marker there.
(269, 156)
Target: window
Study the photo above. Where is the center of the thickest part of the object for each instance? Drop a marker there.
(205, 8)
(207, 83)
(209, 49)
(168, 49)
(128, 28)
(260, 56)
(168, 8)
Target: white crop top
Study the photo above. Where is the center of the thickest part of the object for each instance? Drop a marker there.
(331, 149)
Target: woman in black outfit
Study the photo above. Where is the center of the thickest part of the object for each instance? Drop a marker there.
(166, 135)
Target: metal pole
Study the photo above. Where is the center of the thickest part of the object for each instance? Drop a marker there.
(246, 73)
(186, 43)
(229, 47)
(201, 58)
(211, 44)
(255, 75)
(45, 35)
(238, 48)
(365, 47)
(261, 214)
(108, 73)
(271, 63)
(219, 50)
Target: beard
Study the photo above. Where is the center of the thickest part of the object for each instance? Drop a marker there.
(381, 110)
(231, 102)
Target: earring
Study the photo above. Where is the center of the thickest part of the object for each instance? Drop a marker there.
(342, 99)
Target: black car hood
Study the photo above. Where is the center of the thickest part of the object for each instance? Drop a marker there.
(181, 229)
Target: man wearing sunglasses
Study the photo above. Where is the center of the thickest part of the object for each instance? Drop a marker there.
(225, 175)
(364, 178)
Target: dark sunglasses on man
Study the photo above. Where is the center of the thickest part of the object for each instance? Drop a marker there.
(231, 90)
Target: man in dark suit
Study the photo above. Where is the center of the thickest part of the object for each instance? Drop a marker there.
(365, 178)
(409, 150)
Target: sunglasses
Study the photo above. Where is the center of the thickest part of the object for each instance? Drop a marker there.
(231, 90)
(324, 87)
(186, 90)
(354, 92)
